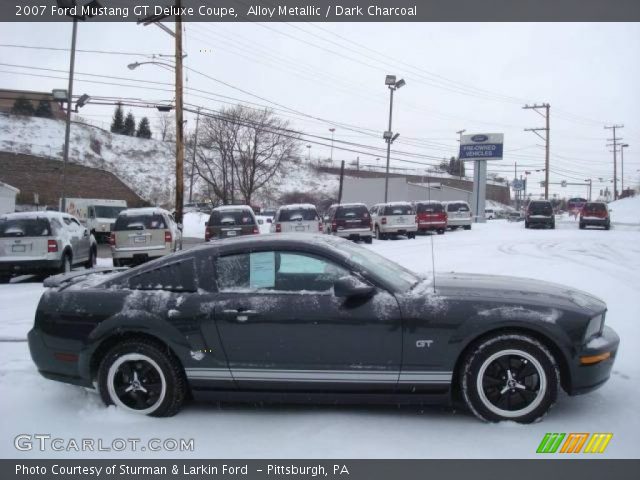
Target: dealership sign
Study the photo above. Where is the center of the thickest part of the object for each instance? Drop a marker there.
(481, 146)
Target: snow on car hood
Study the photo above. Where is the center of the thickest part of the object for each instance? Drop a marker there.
(518, 290)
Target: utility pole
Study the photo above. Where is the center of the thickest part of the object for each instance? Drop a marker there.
(193, 160)
(615, 160)
(546, 139)
(179, 117)
(590, 184)
(460, 132)
(67, 128)
(341, 182)
(622, 147)
(333, 131)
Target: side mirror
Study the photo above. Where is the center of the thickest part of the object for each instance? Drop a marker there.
(350, 287)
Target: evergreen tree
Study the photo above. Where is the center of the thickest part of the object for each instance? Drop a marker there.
(144, 131)
(117, 125)
(44, 109)
(22, 106)
(452, 166)
(461, 168)
(129, 125)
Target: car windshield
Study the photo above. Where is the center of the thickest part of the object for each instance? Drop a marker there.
(457, 207)
(430, 208)
(401, 278)
(107, 212)
(595, 208)
(540, 208)
(24, 227)
(298, 214)
(398, 210)
(140, 222)
(351, 212)
(231, 217)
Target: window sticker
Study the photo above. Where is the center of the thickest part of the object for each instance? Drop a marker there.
(262, 270)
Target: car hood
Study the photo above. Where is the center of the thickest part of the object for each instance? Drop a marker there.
(518, 290)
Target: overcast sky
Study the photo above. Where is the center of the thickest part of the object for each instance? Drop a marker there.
(459, 76)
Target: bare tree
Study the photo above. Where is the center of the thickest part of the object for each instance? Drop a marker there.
(242, 149)
(166, 126)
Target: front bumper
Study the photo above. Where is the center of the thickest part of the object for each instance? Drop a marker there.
(29, 266)
(590, 376)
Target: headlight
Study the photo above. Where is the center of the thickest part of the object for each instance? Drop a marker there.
(594, 328)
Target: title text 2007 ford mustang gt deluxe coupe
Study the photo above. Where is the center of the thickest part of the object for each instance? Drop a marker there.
(318, 319)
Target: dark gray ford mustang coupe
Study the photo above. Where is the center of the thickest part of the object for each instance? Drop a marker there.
(318, 319)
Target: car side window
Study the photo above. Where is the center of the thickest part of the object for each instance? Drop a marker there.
(277, 271)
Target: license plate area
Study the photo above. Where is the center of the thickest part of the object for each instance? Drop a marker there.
(18, 248)
(231, 233)
(299, 228)
(140, 239)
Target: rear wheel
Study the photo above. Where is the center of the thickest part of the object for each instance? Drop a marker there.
(368, 240)
(66, 263)
(607, 226)
(380, 235)
(411, 236)
(91, 262)
(510, 377)
(141, 376)
(582, 225)
(553, 226)
(5, 278)
(440, 231)
(467, 227)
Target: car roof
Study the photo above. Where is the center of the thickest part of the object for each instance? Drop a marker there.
(38, 214)
(144, 211)
(429, 201)
(392, 204)
(354, 204)
(231, 208)
(296, 206)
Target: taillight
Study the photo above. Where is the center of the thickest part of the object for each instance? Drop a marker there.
(384, 220)
(278, 228)
(255, 230)
(319, 226)
(167, 237)
(207, 234)
(416, 219)
(112, 239)
(370, 224)
(52, 246)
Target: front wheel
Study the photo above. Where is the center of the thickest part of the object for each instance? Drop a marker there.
(140, 376)
(91, 262)
(368, 240)
(440, 231)
(510, 377)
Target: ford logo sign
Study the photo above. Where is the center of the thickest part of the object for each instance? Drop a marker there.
(479, 138)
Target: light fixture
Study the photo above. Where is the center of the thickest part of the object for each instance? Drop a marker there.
(393, 139)
(59, 94)
(82, 101)
(390, 80)
(400, 83)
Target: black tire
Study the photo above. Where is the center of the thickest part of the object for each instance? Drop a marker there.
(440, 231)
(368, 240)
(607, 226)
(380, 235)
(483, 374)
(67, 264)
(411, 236)
(5, 278)
(553, 226)
(582, 226)
(93, 255)
(526, 224)
(467, 227)
(147, 363)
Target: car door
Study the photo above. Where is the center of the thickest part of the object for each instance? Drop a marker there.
(73, 236)
(84, 240)
(283, 328)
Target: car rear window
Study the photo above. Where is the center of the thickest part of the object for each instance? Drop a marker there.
(298, 214)
(25, 227)
(398, 210)
(350, 212)
(231, 217)
(430, 208)
(457, 207)
(140, 222)
(540, 208)
(595, 208)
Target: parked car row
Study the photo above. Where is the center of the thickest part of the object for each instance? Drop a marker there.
(539, 213)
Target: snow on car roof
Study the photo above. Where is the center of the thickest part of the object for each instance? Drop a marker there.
(392, 204)
(354, 204)
(144, 211)
(297, 206)
(229, 208)
(39, 214)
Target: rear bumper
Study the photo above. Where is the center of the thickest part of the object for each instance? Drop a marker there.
(399, 229)
(459, 222)
(600, 222)
(131, 253)
(353, 233)
(540, 220)
(588, 377)
(425, 225)
(29, 266)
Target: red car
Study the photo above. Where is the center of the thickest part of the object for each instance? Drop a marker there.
(595, 214)
(431, 215)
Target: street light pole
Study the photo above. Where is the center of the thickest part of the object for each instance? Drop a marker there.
(622, 147)
(589, 181)
(460, 132)
(393, 85)
(309, 153)
(332, 130)
(179, 118)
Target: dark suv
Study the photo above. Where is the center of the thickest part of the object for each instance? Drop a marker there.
(595, 214)
(349, 220)
(540, 213)
(231, 221)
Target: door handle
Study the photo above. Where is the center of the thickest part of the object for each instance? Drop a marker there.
(241, 315)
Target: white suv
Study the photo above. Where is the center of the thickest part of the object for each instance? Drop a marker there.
(393, 218)
(142, 234)
(43, 242)
(297, 218)
(459, 214)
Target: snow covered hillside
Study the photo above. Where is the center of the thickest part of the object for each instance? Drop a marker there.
(145, 165)
(626, 211)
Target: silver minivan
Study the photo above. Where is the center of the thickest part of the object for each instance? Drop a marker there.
(296, 218)
(43, 242)
(141, 234)
(459, 215)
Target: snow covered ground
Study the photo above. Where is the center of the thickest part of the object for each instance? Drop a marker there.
(606, 263)
(626, 211)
